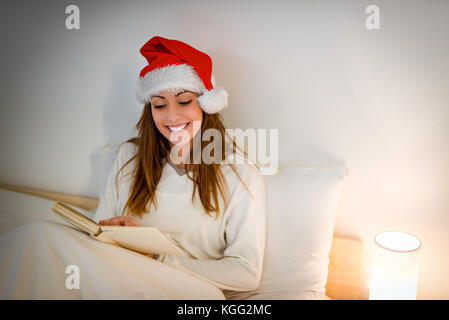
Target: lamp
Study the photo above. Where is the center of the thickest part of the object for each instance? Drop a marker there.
(394, 274)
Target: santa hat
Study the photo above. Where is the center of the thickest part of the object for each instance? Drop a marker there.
(174, 65)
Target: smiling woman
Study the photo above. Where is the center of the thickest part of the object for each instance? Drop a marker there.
(214, 211)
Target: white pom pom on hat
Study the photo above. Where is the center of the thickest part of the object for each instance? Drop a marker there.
(174, 65)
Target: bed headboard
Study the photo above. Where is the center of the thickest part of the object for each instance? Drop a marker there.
(343, 281)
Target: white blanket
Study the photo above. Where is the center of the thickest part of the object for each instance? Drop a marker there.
(37, 248)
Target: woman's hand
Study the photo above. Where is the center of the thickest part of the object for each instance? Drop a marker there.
(119, 221)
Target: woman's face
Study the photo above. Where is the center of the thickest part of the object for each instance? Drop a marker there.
(174, 113)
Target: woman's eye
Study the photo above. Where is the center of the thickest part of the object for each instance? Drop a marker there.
(158, 107)
(186, 102)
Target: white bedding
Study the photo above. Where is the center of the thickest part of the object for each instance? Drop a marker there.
(36, 247)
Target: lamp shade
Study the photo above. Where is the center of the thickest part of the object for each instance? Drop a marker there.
(394, 274)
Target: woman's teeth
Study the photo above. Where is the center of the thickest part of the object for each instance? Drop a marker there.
(179, 127)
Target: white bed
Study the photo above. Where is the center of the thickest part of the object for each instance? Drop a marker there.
(32, 267)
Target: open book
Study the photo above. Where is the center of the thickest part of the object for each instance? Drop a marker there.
(140, 239)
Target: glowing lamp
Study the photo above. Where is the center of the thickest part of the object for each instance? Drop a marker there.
(395, 268)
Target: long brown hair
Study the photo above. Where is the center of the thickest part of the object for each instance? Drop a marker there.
(153, 148)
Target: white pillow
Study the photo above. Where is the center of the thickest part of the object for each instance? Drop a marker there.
(106, 156)
(302, 203)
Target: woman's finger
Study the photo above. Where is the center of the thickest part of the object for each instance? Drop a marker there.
(119, 221)
(115, 221)
(130, 221)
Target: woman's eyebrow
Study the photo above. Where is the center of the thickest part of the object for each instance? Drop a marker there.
(175, 94)
(182, 92)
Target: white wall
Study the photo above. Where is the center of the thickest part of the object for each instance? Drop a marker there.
(337, 92)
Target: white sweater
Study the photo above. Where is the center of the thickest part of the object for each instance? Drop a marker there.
(227, 252)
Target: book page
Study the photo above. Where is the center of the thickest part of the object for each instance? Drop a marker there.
(76, 218)
(142, 239)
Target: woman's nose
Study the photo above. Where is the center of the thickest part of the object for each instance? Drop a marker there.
(173, 114)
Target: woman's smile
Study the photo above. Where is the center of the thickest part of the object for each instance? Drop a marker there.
(178, 127)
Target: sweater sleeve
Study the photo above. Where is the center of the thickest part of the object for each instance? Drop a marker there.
(240, 268)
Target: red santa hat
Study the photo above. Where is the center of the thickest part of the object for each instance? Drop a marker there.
(174, 65)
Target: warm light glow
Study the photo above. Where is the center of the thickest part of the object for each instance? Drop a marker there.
(395, 267)
(398, 241)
